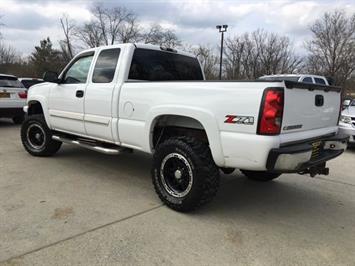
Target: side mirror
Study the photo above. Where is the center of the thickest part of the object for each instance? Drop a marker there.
(50, 76)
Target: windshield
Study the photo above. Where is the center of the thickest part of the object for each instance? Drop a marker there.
(279, 78)
(10, 82)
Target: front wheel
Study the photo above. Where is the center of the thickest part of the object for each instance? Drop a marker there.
(261, 176)
(184, 174)
(37, 137)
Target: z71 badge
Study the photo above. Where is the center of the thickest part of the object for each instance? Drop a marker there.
(238, 119)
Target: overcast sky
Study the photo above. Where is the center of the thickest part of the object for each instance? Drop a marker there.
(26, 22)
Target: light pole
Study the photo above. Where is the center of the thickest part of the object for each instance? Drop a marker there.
(222, 29)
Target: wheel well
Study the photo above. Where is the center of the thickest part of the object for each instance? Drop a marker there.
(34, 108)
(167, 126)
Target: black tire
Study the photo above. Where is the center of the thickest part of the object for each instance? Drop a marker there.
(37, 137)
(184, 162)
(18, 119)
(261, 176)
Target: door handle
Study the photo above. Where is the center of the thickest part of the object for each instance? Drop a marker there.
(79, 94)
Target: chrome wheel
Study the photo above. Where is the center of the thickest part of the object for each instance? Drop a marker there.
(176, 175)
(36, 136)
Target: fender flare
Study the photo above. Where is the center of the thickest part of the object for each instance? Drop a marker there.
(204, 117)
(43, 102)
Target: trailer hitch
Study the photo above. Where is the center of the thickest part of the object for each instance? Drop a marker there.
(319, 169)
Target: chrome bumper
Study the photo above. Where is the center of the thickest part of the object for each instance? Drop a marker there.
(299, 157)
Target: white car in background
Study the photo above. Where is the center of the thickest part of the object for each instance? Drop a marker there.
(307, 78)
(13, 97)
(347, 122)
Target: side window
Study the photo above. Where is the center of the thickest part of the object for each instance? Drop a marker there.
(105, 66)
(307, 80)
(78, 72)
(319, 81)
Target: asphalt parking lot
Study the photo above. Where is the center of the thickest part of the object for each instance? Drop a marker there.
(80, 207)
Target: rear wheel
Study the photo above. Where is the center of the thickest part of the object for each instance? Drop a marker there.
(261, 176)
(37, 137)
(184, 174)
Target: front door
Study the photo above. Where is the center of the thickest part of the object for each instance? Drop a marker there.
(99, 97)
(66, 100)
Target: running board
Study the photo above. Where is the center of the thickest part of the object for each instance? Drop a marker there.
(93, 147)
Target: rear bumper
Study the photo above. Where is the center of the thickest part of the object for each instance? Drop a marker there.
(11, 112)
(300, 157)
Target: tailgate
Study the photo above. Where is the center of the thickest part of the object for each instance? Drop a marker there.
(310, 106)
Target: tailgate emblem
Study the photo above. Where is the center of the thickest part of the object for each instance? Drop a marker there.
(319, 100)
(238, 119)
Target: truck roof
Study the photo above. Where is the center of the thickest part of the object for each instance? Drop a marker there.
(142, 46)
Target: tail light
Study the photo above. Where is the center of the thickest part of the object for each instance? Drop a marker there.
(270, 117)
(23, 94)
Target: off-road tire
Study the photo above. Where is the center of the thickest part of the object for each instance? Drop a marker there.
(48, 147)
(18, 119)
(205, 173)
(260, 176)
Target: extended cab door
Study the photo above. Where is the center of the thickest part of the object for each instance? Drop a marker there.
(99, 97)
(66, 100)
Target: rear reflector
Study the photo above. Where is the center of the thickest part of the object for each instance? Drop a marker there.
(23, 94)
(270, 117)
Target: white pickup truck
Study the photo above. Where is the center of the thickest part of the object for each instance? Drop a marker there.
(142, 97)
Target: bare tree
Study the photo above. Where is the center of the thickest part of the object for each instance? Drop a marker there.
(209, 61)
(120, 25)
(235, 52)
(332, 49)
(276, 53)
(157, 35)
(8, 54)
(66, 45)
(109, 26)
(90, 34)
(251, 55)
(129, 30)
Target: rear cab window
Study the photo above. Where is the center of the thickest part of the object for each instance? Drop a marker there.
(155, 65)
(105, 66)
